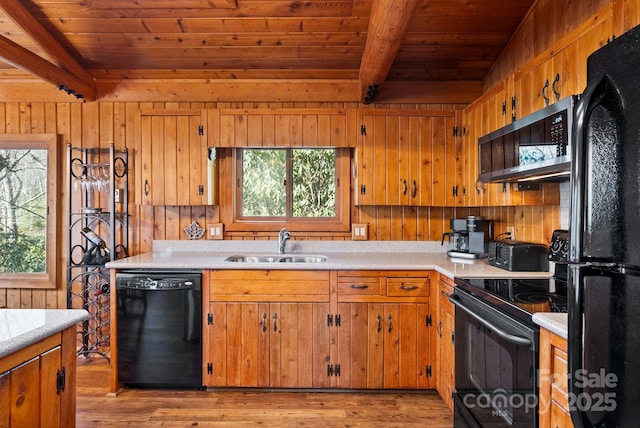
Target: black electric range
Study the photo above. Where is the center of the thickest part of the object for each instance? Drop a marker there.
(519, 297)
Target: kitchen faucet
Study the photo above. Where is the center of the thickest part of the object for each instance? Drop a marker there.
(283, 236)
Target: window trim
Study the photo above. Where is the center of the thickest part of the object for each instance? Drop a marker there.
(48, 279)
(229, 200)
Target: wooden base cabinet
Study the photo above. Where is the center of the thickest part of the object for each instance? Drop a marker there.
(267, 329)
(268, 344)
(384, 346)
(445, 342)
(318, 329)
(37, 384)
(385, 331)
(554, 396)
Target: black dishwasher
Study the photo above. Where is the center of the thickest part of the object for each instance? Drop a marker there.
(159, 325)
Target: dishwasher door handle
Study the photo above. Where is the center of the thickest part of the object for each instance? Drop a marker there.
(518, 340)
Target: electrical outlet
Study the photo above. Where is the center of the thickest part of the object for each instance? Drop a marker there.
(511, 231)
(216, 231)
(359, 232)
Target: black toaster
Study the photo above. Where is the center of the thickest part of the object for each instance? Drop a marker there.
(518, 256)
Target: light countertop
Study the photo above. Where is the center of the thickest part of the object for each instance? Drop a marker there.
(20, 328)
(552, 321)
(341, 255)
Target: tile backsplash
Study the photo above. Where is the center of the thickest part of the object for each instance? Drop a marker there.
(565, 203)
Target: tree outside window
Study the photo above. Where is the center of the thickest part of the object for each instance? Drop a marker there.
(29, 179)
(23, 210)
(298, 188)
(288, 183)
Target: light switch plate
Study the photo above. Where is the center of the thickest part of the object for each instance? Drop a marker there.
(359, 231)
(215, 231)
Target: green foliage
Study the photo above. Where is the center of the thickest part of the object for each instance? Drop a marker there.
(263, 182)
(314, 178)
(22, 253)
(313, 187)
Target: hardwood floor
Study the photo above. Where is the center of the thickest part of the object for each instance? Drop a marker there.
(155, 408)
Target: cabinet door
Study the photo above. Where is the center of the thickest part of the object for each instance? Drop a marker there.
(268, 344)
(385, 345)
(173, 158)
(402, 158)
(445, 359)
(406, 346)
(50, 398)
(25, 395)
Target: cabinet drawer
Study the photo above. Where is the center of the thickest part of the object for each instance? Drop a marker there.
(269, 285)
(407, 287)
(359, 286)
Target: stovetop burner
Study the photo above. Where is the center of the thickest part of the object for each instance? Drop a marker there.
(520, 297)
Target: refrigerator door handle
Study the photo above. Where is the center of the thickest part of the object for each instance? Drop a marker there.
(584, 107)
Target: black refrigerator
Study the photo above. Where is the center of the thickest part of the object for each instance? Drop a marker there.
(604, 270)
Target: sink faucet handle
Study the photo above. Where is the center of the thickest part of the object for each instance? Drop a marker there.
(283, 236)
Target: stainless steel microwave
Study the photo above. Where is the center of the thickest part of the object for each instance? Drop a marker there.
(536, 147)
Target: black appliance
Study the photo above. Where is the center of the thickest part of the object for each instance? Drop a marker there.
(469, 237)
(604, 274)
(538, 146)
(159, 327)
(518, 256)
(497, 345)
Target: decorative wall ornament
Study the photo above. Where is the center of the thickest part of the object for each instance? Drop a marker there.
(194, 231)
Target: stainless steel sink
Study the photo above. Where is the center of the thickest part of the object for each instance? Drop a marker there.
(303, 259)
(276, 259)
(252, 259)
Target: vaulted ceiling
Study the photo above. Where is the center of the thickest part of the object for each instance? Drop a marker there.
(78, 43)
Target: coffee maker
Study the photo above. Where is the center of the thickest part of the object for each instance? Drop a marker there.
(469, 238)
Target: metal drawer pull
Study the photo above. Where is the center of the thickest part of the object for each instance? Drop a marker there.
(390, 324)
(518, 340)
(448, 296)
(359, 286)
(409, 287)
(264, 322)
(275, 322)
(439, 328)
(379, 322)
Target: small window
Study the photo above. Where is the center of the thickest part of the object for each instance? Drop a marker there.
(299, 188)
(28, 179)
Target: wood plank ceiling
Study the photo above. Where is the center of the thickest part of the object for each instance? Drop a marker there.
(79, 43)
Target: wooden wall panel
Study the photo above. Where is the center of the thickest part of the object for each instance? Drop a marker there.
(99, 124)
(547, 22)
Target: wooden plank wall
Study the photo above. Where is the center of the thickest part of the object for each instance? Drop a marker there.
(98, 124)
(548, 21)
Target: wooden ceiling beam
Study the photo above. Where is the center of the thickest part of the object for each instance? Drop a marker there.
(75, 79)
(387, 25)
(19, 57)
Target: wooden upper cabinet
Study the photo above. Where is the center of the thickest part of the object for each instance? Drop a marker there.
(562, 69)
(173, 157)
(403, 158)
(282, 127)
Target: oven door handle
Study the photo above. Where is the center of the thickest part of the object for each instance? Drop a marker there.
(518, 340)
